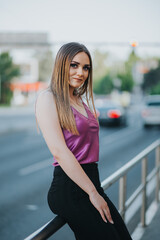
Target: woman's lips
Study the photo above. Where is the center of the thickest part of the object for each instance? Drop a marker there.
(78, 79)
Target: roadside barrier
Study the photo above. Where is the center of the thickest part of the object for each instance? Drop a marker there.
(120, 175)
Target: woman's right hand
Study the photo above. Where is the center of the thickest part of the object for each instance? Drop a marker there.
(101, 205)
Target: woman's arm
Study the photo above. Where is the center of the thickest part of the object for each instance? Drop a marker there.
(47, 117)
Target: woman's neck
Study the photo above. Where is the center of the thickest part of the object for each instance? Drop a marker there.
(71, 90)
(72, 96)
(74, 100)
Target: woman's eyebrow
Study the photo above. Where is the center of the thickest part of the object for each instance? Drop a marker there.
(79, 63)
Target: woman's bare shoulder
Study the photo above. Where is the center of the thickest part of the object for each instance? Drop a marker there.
(45, 94)
(45, 97)
(45, 102)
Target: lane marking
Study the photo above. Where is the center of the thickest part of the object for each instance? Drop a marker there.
(46, 163)
(112, 134)
(32, 207)
(116, 136)
(35, 167)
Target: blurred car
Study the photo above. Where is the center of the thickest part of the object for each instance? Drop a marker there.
(109, 112)
(151, 111)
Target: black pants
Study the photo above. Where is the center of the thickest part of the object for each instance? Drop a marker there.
(70, 202)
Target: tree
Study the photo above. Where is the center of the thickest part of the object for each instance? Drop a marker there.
(132, 59)
(126, 77)
(151, 81)
(155, 89)
(127, 82)
(102, 83)
(8, 70)
(103, 86)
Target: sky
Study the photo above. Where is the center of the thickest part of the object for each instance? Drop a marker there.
(86, 20)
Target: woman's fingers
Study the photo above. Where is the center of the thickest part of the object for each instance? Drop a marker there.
(101, 205)
(108, 215)
(103, 216)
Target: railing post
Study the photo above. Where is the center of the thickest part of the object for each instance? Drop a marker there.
(50, 228)
(158, 172)
(122, 195)
(144, 175)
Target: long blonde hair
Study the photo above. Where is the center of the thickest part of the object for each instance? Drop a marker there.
(60, 85)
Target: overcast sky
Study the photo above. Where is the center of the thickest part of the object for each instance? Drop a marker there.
(84, 20)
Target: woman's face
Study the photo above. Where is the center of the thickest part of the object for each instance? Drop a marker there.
(79, 70)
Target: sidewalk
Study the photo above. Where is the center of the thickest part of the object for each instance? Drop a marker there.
(152, 231)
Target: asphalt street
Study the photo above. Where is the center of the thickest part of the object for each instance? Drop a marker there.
(26, 170)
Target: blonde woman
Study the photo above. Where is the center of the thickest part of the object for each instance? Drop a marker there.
(71, 131)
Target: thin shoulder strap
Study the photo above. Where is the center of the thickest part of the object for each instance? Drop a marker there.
(84, 104)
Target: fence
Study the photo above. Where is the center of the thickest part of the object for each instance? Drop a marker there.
(121, 175)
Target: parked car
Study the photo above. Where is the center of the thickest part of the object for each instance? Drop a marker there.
(151, 111)
(109, 112)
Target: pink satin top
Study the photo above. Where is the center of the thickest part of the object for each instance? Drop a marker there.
(84, 146)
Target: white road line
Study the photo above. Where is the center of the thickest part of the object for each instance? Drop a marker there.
(112, 134)
(35, 167)
(116, 135)
(31, 207)
(38, 166)
(46, 163)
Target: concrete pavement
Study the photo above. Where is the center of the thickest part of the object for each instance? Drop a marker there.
(152, 231)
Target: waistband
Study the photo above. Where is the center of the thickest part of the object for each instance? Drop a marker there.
(88, 167)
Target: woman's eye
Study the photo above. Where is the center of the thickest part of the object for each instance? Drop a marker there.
(73, 65)
(86, 68)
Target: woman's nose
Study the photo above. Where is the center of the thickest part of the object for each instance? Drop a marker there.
(79, 71)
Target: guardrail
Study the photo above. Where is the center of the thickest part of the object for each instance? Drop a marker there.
(121, 175)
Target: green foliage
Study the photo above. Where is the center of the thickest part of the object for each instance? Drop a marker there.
(132, 59)
(151, 81)
(155, 89)
(126, 77)
(127, 82)
(7, 71)
(103, 85)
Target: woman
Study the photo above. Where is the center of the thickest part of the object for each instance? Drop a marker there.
(71, 132)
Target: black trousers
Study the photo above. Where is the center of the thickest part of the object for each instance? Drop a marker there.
(68, 200)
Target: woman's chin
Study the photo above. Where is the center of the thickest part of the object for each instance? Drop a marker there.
(75, 85)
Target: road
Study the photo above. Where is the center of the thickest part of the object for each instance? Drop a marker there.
(26, 171)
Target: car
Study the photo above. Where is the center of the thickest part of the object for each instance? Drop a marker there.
(109, 112)
(151, 111)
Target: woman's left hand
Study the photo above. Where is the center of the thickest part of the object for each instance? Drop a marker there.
(101, 205)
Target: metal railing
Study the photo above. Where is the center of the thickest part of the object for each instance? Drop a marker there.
(121, 175)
